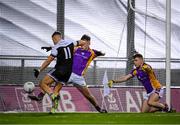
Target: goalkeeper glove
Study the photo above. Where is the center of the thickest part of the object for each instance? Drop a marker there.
(46, 48)
(36, 73)
(110, 83)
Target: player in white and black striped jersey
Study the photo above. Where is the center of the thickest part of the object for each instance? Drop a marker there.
(63, 52)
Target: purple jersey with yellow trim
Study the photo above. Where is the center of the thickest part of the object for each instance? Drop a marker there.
(81, 60)
(146, 76)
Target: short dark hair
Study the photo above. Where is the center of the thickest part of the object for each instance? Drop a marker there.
(56, 33)
(86, 37)
(137, 55)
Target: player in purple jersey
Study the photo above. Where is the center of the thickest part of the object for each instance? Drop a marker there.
(146, 76)
(83, 56)
(81, 59)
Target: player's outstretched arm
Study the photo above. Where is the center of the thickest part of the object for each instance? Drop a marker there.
(79, 43)
(99, 53)
(44, 65)
(46, 48)
(120, 80)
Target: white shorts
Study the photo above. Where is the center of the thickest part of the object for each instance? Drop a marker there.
(160, 92)
(76, 79)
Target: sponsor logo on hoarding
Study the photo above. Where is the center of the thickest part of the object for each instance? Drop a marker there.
(127, 99)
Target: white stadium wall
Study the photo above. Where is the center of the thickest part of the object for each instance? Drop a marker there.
(26, 25)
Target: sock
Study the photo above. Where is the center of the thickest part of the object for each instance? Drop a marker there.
(58, 97)
(97, 108)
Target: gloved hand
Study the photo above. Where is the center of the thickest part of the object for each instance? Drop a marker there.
(110, 83)
(46, 48)
(36, 73)
(99, 53)
(103, 54)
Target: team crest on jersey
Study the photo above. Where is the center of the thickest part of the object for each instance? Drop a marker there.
(82, 53)
(139, 77)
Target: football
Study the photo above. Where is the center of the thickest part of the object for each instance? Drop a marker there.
(29, 87)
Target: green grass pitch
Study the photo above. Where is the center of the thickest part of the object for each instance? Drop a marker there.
(90, 118)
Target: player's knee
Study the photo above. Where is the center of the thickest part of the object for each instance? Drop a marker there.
(150, 103)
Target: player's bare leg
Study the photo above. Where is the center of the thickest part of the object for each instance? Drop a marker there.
(154, 109)
(85, 91)
(40, 96)
(145, 107)
(57, 88)
(45, 83)
(47, 80)
(55, 101)
(154, 101)
(87, 94)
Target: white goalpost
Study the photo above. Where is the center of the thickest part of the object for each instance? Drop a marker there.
(168, 52)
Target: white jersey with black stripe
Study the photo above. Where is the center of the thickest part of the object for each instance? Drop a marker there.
(63, 51)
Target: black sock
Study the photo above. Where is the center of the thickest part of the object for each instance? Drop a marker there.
(97, 108)
(58, 97)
